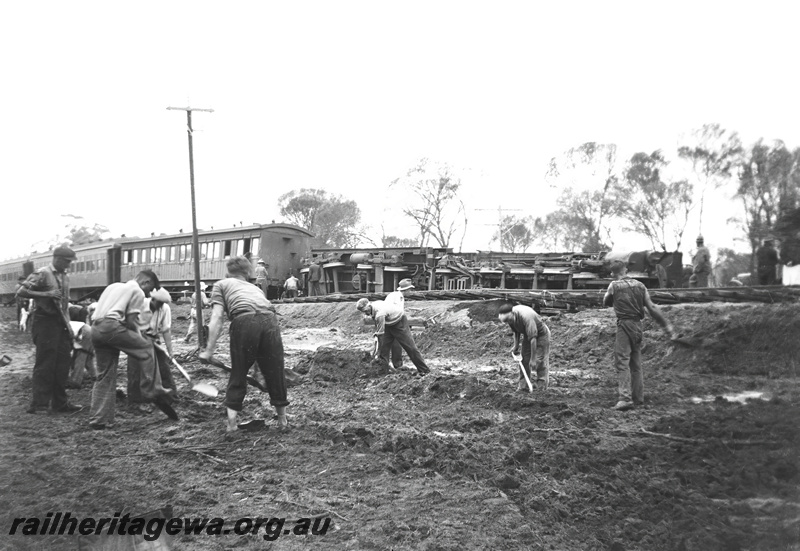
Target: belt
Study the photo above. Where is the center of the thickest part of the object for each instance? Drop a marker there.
(237, 316)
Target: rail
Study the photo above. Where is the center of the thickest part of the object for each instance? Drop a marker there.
(553, 302)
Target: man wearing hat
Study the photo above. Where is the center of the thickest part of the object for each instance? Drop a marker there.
(767, 259)
(193, 310)
(155, 323)
(701, 265)
(115, 329)
(630, 299)
(262, 276)
(399, 297)
(392, 326)
(52, 334)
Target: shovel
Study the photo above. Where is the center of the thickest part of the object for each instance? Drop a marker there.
(689, 342)
(219, 364)
(524, 373)
(202, 388)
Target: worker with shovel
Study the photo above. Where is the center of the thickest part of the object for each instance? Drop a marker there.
(391, 326)
(255, 338)
(115, 329)
(630, 299)
(525, 322)
(155, 322)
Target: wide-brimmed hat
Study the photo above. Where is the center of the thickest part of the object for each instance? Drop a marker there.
(405, 284)
(161, 295)
(203, 286)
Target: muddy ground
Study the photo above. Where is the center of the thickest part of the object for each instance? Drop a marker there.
(456, 460)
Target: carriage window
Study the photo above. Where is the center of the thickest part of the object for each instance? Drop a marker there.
(240, 247)
(227, 250)
(203, 251)
(254, 245)
(135, 256)
(216, 254)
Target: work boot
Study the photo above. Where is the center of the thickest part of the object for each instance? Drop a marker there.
(622, 405)
(68, 408)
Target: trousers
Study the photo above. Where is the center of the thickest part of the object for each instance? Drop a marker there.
(542, 359)
(628, 361)
(400, 333)
(53, 360)
(256, 338)
(110, 337)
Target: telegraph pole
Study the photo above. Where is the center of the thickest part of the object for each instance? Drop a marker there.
(500, 211)
(195, 240)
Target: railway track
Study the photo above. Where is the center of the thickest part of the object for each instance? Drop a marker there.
(554, 302)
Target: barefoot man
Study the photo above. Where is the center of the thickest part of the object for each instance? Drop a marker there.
(255, 337)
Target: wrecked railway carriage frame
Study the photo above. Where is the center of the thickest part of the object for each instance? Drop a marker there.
(379, 270)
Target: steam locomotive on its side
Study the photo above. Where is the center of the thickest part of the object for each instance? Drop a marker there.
(98, 264)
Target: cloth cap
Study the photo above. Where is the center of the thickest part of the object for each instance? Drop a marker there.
(699, 238)
(405, 284)
(362, 304)
(617, 266)
(64, 252)
(161, 295)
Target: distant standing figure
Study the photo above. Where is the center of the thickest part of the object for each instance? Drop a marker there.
(314, 277)
(630, 299)
(701, 265)
(262, 277)
(51, 332)
(534, 335)
(767, 259)
(290, 285)
(193, 311)
(255, 337)
(22, 303)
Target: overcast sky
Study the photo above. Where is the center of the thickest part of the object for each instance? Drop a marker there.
(347, 96)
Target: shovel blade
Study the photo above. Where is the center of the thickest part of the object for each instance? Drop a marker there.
(207, 389)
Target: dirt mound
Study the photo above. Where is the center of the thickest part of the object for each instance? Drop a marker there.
(458, 459)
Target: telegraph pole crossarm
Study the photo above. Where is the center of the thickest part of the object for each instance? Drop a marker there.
(195, 240)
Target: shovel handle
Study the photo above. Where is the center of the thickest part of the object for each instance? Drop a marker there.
(216, 363)
(524, 373)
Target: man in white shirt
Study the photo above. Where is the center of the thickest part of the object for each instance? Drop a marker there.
(391, 326)
(115, 329)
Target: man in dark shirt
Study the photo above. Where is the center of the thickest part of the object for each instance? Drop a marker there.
(52, 334)
(314, 277)
(767, 258)
(630, 299)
